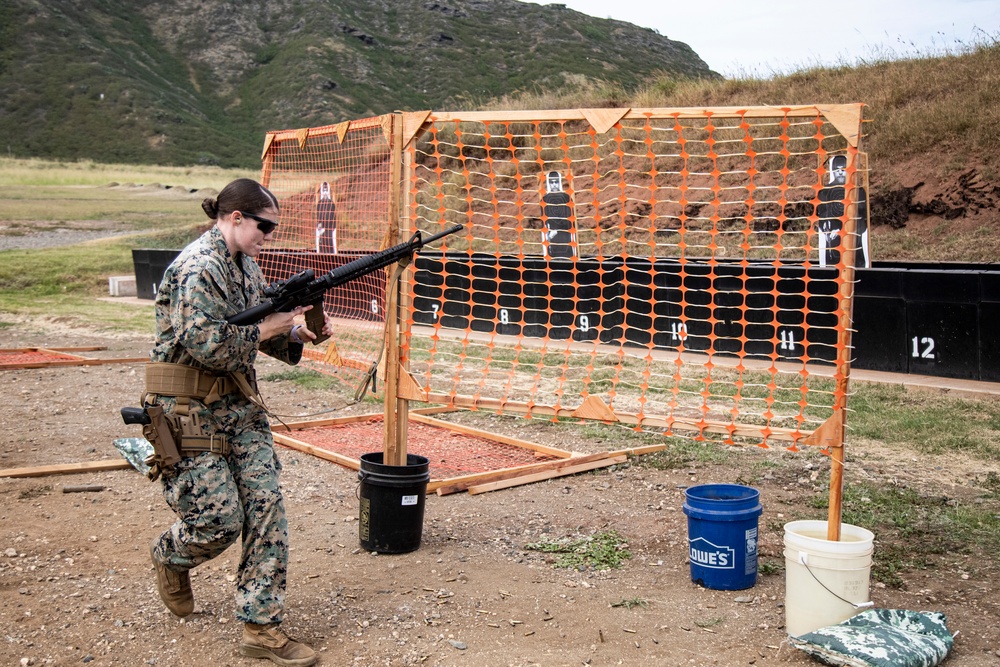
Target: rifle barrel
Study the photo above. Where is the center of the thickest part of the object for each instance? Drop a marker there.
(441, 235)
(252, 315)
(305, 293)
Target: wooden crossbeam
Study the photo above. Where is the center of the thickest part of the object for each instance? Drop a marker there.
(318, 452)
(52, 349)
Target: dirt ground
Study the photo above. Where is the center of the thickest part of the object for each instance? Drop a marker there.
(76, 585)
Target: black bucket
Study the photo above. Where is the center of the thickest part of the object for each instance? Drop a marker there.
(392, 503)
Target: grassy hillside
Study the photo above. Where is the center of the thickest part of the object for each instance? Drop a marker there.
(933, 136)
(89, 80)
(941, 103)
(177, 82)
(182, 82)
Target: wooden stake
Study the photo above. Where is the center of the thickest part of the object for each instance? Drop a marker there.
(394, 449)
(843, 375)
(318, 452)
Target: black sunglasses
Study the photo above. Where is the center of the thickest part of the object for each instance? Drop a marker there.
(263, 224)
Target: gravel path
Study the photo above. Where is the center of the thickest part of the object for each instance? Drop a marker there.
(54, 238)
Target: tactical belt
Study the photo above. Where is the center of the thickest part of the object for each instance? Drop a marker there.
(167, 379)
(172, 440)
(194, 444)
(190, 445)
(180, 434)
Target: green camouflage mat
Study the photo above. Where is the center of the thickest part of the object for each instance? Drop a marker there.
(881, 638)
(135, 451)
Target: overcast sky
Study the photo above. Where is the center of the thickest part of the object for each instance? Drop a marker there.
(738, 37)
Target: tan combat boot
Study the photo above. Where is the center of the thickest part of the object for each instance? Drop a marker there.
(268, 641)
(174, 587)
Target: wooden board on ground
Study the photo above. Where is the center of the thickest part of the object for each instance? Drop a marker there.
(537, 462)
(51, 357)
(602, 462)
(533, 462)
(66, 468)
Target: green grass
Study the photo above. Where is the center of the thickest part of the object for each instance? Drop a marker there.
(32, 207)
(304, 378)
(681, 452)
(66, 282)
(991, 482)
(925, 421)
(601, 551)
(768, 566)
(912, 528)
(37, 172)
(613, 437)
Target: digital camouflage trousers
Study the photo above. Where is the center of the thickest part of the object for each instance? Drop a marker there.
(216, 500)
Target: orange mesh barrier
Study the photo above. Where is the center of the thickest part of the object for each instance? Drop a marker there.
(333, 187)
(449, 453)
(39, 357)
(23, 357)
(686, 270)
(659, 268)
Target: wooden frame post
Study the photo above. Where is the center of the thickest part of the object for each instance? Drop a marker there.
(268, 161)
(857, 177)
(396, 408)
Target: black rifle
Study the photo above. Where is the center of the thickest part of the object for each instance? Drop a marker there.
(304, 288)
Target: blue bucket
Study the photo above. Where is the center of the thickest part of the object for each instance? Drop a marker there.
(722, 535)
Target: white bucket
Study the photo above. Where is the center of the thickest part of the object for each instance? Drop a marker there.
(825, 582)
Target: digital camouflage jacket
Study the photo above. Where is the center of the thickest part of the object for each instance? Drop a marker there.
(203, 286)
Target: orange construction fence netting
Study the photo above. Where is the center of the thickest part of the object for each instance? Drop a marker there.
(686, 270)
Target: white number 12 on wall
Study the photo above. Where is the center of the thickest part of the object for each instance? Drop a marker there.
(923, 348)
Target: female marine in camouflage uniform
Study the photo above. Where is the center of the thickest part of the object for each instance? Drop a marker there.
(218, 497)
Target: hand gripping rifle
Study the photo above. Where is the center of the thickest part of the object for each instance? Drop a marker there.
(305, 289)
